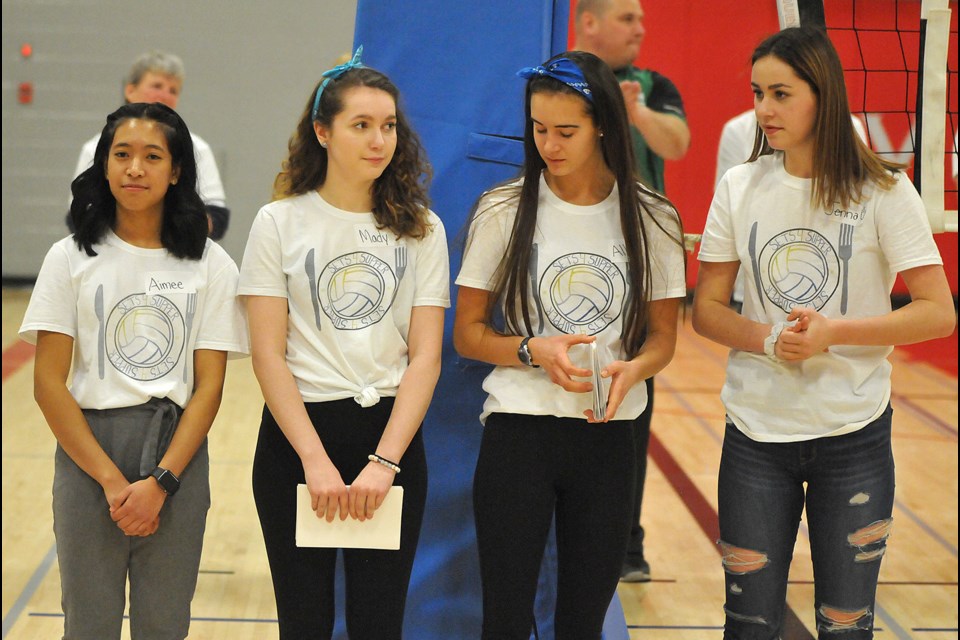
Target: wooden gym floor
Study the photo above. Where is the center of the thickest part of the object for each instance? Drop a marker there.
(917, 597)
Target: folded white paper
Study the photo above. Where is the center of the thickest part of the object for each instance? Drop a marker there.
(599, 384)
(380, 532)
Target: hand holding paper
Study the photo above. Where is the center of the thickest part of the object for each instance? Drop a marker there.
(329, 498)
(381, 532)
(368, 490)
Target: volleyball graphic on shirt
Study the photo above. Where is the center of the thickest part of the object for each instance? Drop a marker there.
(801, 268)
(356, 290)
(582, 292)
(144, 336)
(798, 270)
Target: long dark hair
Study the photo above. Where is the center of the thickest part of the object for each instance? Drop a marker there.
(608, 112)
(93, 211)
(400, 201)
(842, 162)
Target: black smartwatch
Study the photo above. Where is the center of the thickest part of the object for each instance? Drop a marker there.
(523, 353)
(167, 480)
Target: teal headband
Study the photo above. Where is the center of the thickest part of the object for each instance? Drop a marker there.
(564, 70)
(333, 74)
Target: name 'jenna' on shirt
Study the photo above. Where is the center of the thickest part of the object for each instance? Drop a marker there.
(847, 216)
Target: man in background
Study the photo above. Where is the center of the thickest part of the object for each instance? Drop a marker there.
(613, 31)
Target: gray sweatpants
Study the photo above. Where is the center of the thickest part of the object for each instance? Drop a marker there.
(96, 557)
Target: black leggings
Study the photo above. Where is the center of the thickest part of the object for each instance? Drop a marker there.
(532, 468)
(303, 578)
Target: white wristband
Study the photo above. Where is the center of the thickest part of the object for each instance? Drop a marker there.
(770, 342)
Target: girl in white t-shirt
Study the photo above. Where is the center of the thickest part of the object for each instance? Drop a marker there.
(144, 309)
(821, 226)
(576, 255)
(345, 278)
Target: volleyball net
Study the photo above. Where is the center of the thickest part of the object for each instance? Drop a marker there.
(900, 63)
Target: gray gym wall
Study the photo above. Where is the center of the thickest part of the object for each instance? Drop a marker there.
(250, 67)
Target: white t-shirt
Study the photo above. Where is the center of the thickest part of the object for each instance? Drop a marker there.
(841, 262)
(136, 316)
(350, 288)
(579, 267)
(209, 186)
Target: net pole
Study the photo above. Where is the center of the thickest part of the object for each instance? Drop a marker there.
(793, 13)
(932, 86)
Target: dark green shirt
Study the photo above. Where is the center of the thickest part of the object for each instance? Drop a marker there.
(662, 96)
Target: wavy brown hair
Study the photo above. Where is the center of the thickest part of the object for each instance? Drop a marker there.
(400, 201)
(842, 162)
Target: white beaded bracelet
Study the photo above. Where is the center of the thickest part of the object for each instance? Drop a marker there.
(393, 466)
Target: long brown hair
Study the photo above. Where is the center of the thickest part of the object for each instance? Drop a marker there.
(511, 289)
(842, 162)
(400, 201)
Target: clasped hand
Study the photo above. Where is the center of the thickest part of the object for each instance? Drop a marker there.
(136, 507)
(808, 336)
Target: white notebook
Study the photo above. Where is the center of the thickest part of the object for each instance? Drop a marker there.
(599, 384)
(380, 532)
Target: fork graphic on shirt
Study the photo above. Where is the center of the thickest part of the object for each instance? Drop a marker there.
(845, 251)
(399, 266)
(191, 312)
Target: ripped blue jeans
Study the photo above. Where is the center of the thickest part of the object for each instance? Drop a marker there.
(847, 484)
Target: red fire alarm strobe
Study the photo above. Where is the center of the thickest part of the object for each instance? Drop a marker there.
(25, 93)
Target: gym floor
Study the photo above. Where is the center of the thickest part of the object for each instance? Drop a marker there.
(917, 596)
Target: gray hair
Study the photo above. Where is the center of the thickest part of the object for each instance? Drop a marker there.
(156, 61)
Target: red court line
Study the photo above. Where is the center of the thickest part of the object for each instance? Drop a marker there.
(706, 517)
(696, 503)
(15, 356)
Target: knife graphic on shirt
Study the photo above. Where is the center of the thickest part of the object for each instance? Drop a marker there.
(101, 330)
(311, 271)
(752, 248)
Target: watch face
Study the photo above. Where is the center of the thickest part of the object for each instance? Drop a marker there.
(167, 481)
(524, 354)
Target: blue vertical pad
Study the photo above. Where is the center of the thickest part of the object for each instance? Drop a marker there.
(455, 64)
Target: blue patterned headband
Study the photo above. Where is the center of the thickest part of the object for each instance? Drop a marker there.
(333, 74)
(564, 70)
